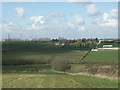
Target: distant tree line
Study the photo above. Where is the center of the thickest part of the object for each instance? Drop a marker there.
(92, 43)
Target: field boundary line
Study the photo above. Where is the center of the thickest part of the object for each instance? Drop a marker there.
(86, 54)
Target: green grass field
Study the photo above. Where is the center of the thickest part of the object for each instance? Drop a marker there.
(18, 45)
(55, 81)
(42, 56)
(38, 53)
(43, 76)
(103, 56)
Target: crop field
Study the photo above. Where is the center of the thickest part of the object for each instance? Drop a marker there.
(103, 56)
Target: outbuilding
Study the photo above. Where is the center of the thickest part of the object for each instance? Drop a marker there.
(107, 46)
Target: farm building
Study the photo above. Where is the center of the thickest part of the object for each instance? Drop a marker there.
(106, 40)
(61, 43)
(107, 46)
(94, 50)
(57, 43)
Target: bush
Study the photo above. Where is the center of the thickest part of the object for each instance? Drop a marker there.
(60, 65)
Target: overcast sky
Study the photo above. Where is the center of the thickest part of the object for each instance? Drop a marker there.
(60, 19)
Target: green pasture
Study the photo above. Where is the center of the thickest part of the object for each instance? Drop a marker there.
(102, 56)
(38, 53)
(19, 45)
(42, 56)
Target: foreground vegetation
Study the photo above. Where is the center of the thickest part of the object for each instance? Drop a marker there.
(105, 71)
(55, 81)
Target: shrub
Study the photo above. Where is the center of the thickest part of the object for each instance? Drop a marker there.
(60, 65)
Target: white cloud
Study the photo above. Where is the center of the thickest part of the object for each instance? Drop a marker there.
(110, 19)
(7, 27)
(55, 21)
(96, 20)
(74, 25)
(38, 23)
(93, 10)
(106, 16)
(19, 11)
(37, 27)
(70, 25)
(34, 27)
(11, 27)
(82, 28)
(114, 13)
(67, 30)
(57, 14)
(37, 19)
(79, 19)
(67, 26)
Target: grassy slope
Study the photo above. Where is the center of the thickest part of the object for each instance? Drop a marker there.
(102, 56)
(17, 45)
(38, 53)
(55, 81)
(42, 56)
(42, 76)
